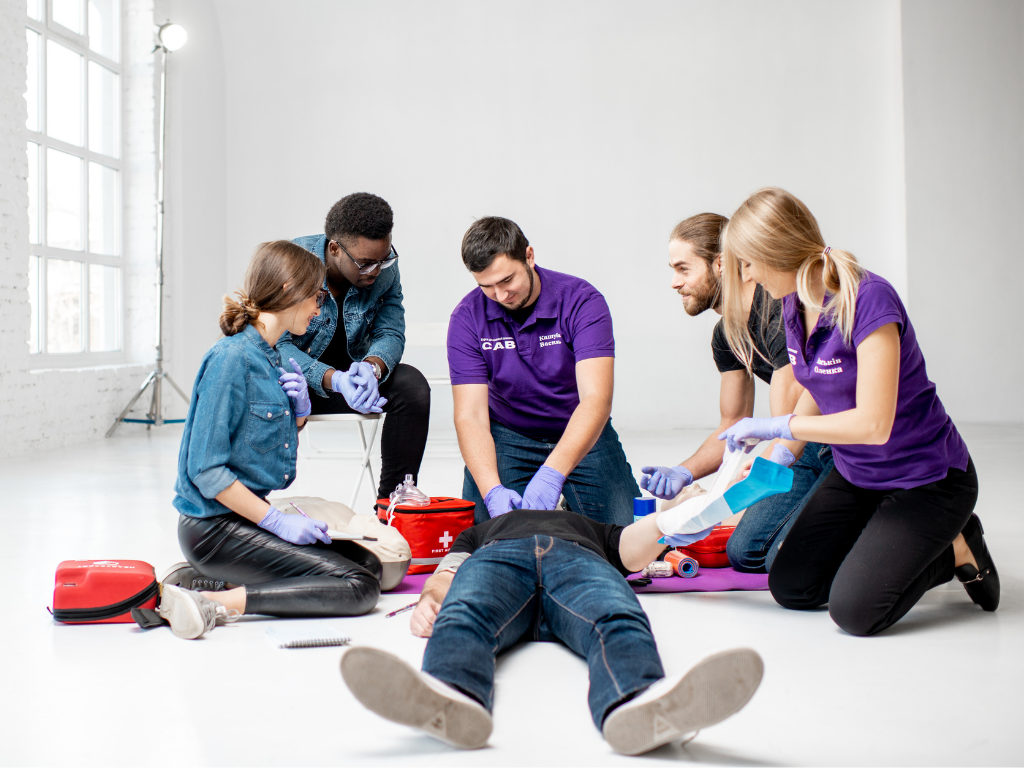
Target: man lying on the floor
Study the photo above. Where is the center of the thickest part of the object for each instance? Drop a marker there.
(547, 575)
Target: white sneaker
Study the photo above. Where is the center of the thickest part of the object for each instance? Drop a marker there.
(717, 687)
(386, 685)
(190, 614)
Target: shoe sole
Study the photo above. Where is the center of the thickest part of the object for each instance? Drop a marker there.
(719, 686)
(185, 618)
(389, 687)
(175, 569)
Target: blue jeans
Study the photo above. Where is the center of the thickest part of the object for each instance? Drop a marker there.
(602, 486)
(545, 589)
(755, 542)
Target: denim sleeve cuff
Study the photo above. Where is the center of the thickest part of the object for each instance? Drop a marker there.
(389, 359)
(212, 481)
(315, 377)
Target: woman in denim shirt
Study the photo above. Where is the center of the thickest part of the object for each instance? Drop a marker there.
(240, 443)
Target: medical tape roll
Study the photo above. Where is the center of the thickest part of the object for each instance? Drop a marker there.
(684, 566)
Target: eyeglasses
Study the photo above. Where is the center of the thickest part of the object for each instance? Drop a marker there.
(321, 298)
(366, 267)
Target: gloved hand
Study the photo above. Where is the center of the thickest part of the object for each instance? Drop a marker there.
(665, 482)
(295, 386)
(298, 529)
(762, 429)
(500, 500)
(686, 539)
(358, 386)
(543, 490)
(782, 455)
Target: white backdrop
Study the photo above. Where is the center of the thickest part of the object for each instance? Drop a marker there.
(595, 125)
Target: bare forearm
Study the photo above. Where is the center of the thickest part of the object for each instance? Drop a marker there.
(241, 500)
(477, 447)
(583, 430)
(639, 545)
(852, 427)
(326, 383)
(708, 458)
(437, 586)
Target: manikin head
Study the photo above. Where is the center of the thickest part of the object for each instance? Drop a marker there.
(696, 261)
(499, 256)
(358, 230)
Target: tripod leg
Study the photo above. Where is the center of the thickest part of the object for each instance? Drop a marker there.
(176, 388)
(131, 404)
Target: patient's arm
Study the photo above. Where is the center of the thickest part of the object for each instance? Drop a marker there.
(422, 622)
(639, 543)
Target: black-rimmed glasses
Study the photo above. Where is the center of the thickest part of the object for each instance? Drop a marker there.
(366, 267)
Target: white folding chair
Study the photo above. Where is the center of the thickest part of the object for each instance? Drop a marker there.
(365, 469)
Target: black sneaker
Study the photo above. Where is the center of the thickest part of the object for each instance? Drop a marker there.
(185, 576)
(981, 583)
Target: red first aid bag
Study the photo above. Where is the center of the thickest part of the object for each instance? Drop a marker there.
(709, 552)
(102, 591)
(429, 530)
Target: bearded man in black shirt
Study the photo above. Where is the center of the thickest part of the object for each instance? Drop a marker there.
(549, 576)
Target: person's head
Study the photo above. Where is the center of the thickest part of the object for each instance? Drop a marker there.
(500, 257)
(695, 257)
(774, 240)
(283, 279)
(358, 230)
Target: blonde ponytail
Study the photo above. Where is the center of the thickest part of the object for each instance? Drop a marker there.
(775, 229)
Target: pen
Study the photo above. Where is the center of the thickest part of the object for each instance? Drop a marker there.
(409, 607)
(364, 538)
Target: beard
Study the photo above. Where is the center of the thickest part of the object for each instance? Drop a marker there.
(706, 296)
(522, 303)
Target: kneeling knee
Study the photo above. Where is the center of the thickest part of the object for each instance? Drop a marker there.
(855, 617)
(365, 592)
(741, 557)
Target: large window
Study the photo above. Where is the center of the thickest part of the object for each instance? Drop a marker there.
(74, 178)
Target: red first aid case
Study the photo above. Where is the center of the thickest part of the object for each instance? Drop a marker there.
(102, 591)
(429, 530)
(709, 552)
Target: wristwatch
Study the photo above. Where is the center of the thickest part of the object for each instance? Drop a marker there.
(376, 369)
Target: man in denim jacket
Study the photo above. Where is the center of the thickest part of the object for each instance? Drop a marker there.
(352, 364)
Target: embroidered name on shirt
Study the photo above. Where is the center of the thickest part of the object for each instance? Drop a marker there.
(502, 342)
(834, 365)
(547, 341)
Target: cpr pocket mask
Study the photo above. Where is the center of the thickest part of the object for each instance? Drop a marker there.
(702, 512)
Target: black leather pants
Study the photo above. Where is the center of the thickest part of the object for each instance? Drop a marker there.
(280, 578)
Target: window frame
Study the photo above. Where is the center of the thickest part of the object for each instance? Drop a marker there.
(48, 29)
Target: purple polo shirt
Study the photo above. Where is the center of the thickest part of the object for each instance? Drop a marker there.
(924, 443)
(530, 369)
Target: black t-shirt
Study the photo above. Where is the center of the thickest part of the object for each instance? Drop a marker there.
(336, 355)
(768, 333)
(600, 538)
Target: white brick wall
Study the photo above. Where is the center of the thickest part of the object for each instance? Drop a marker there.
(41, 409)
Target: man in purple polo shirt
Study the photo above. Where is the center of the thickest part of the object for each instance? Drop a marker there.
(531, 357)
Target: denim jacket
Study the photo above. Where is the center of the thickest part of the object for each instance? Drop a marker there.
(374, 323)
(239, 427)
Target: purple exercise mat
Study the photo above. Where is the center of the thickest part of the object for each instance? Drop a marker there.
(706, 580)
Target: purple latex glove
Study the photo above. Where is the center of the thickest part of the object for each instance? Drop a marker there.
(665, 482)
(782, 455)
(543, 490)
(295, 386)
(763, 429)
(686, 539)
(358, 386)
(298, 529)
(500, 500)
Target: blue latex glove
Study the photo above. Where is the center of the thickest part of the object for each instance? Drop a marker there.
(500, 500)
(298, 529)
(543, 490)
(665, 482)
(763, 429)
(358, 386)
(686, 539)
(295, 386)
(782, 455)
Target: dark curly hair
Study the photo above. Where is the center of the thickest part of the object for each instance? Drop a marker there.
(490, 237)
(359, 215)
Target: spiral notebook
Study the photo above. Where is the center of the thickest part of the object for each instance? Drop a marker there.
(292, 634)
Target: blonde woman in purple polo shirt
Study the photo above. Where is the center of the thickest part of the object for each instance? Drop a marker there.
(895, 517)
(531, 356)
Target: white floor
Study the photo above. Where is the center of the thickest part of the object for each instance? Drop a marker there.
(943, 687)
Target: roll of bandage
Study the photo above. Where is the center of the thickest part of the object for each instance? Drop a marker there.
(684, 566)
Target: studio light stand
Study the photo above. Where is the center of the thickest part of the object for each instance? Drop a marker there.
(172, 37)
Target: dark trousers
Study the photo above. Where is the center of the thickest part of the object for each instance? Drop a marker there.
(281, 578)
(871, 555)
(404, 435)
(547, 589)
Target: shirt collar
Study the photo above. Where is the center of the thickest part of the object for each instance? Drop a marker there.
(258, 341)
(546, 306)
